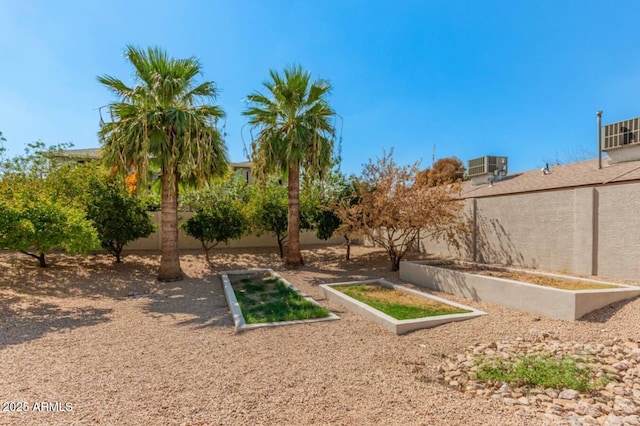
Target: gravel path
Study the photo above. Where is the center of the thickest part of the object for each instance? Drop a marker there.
(114, 346)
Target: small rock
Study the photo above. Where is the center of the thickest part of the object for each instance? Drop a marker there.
(510, 401)
(621, 365)
(505, 388)
(606, 394)
(551, 392)
(552, 418)
(624, 406)
(569, 394)
(543, 397)
(523, 400)
(565, 403)
(581, 409)
(619, 390)
(584, 420)
(473, 386)
(594, 411)
(631, 420)
(613, 420)
(603, 408)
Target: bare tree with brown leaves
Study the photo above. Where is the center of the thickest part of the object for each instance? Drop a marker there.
(394, 210)
(445, 170)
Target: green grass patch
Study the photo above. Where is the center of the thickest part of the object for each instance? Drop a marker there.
(398, 304)
(265, 300)
(541, 371)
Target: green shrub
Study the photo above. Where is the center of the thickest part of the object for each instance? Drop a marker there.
(118, 217)
(222, 221)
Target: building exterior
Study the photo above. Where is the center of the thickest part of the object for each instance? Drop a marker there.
(573, 218)
(88, 154)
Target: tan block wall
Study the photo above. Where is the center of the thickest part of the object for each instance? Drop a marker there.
(526, 230)
(618, 231)
(442, 247)
(586, 231)
(186, 242)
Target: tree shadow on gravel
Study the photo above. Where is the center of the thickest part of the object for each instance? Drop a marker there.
(20, 324)
(197, 301)
(603, 315)
(361, 266)
(94, 275)
(200, 300)
(238, 259)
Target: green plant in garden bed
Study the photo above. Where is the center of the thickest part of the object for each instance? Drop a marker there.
(398, 304)
(541, 371)
(267, 299)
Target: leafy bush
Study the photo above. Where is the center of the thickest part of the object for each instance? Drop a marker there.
(222, 221)
(118, 217)
(41, 205)
(219, 212)
(37, 226)
(320, 202)
(268, 211)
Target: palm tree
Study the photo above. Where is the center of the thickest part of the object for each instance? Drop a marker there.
(164, 120)
(295, 132)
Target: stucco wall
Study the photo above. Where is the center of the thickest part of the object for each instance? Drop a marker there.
(587, 231)
(527, 230)
(618, 231)
(186, 242)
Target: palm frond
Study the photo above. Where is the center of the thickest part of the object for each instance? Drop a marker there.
(293, 122)
(164, 118)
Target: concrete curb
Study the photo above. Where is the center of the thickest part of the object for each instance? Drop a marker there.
(236, 312)
(390, 323)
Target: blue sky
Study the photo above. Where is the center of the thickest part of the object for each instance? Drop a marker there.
(522, 79)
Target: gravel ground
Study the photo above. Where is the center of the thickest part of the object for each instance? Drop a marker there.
(115, 346)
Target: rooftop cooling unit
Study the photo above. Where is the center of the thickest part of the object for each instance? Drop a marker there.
(488, 165)
(621, 140)
(621, 133)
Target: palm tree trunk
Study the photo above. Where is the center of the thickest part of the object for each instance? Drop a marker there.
(294, 257)
(170, 261)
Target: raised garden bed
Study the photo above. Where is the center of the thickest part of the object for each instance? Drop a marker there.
(397, 308)
(551, 295)
(262, 298)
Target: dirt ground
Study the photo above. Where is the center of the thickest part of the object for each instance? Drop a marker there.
(87, 341)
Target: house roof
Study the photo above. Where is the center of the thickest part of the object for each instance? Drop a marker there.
(242, 165)
(79, 153)
(95, 153)
(583, 173)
